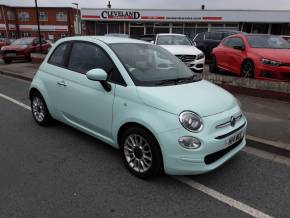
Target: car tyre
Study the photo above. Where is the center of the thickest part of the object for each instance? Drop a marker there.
(140, 153)
(248, 69)
(39, 110)
(213, 68)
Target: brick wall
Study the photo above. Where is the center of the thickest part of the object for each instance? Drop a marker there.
(25, 22)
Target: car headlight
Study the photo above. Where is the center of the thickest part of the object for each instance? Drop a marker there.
(200, 56)
(191, 121)
(270, 62)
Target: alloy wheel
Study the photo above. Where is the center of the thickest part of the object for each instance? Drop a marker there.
(138, 153)
(38, 109)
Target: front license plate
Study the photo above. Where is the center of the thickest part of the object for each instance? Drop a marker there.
(237, 137)
(10, 54)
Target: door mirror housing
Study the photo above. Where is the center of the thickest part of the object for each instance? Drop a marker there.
(239, 47)
(97, 74)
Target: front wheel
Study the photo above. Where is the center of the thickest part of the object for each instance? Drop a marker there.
(39, 110)
(141, 153)
(248, 69)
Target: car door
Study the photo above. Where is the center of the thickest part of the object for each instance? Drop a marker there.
(84, 103)
(221, 53)
(235, 55)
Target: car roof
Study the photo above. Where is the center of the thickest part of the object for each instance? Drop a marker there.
(105, 39)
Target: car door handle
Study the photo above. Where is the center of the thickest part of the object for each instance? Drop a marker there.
(62, 83)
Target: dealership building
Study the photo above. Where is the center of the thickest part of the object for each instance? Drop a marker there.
(136, 22)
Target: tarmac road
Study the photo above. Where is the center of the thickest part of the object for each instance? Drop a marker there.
(60, 172)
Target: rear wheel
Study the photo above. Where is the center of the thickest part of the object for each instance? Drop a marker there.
(213, 68)
(141, 153)
(39, 110)
(248, 69)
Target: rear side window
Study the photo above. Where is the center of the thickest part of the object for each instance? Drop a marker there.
(215, 36)
(234, 41)
(59, 55)
(86, 56)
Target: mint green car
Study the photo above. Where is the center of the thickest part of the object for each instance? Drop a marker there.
(140, 99)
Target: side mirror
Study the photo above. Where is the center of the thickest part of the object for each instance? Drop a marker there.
(97, 74)
(238, 47)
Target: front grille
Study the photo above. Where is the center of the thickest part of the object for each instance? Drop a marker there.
(285, 65)
(286, 76)
(230, 133)
(10, 51)
(186, 58)
(211, 158)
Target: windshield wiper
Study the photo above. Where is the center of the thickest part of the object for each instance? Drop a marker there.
(176, 81)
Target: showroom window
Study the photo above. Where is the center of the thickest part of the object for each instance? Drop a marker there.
(25, 34)
(61, 16)
(10, 15)
(43, 16)
(23, 16)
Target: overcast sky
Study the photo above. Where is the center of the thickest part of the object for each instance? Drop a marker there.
(163, 4)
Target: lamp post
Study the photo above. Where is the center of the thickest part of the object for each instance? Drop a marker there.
(38, 27)
(77, 17)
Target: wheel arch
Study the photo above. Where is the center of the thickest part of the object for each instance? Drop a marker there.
(127, 125)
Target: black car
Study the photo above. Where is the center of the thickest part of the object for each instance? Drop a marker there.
(206, 41)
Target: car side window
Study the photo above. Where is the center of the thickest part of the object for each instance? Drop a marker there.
(215, 36)
(58, 56)
(86, 56)
(235, 41)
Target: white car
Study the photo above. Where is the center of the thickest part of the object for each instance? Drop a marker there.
(183, 48)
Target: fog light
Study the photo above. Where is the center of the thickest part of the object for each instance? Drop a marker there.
(189, 142)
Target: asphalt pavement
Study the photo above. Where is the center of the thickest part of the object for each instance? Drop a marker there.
(61, 172)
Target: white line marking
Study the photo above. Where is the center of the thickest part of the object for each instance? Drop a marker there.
(223, 198)
(214, 194)
(269, 142)
(15, 101)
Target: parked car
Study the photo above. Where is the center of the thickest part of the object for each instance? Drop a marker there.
(253, 55)
(160, 118)
(21, 49)
(206, 41)
(182, 47)
(287, 38)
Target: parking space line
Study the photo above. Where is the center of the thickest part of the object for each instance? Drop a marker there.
(15, 101)
(223, 198)
(193, 184)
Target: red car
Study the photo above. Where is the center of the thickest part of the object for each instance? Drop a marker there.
(21, 49)
(253, 55)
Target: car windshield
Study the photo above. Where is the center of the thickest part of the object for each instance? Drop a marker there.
(23, 41)
(173, 40)
(267, 41)
(151, 65)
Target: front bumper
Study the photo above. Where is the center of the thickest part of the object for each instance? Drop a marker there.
(272, 72)
(181, 161)
(196, 65)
